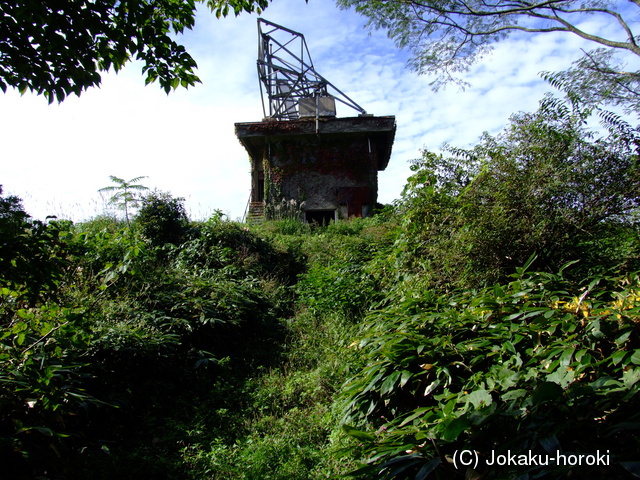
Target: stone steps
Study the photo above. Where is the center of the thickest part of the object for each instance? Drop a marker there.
(255, 215)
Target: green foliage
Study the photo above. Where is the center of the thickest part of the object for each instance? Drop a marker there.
(283, 427)
(123, 323)
(289, 425)
(599, 78)
(344, 286)
(372, 347)
(43, 337)
(124, 196)
(539, 364)
(60, 49)
(286, 226)
(41, 360)
(546, 185)
(448, 37)
(237, 250)
(32, 253)
(162, 218)
(342, 276)
(338, 282)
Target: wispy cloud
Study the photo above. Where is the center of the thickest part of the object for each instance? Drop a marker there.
(58, 156)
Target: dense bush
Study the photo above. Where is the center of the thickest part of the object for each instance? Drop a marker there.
(89, 354)
(173, 349)
(162, 218)
(238, 251)
(32, 253)
(466, 350)
(44, 334)
(547, 186)
(541, 364)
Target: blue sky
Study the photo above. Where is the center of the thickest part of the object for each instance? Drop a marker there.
(56, 157)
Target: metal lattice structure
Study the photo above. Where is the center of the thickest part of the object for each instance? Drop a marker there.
(293, 87)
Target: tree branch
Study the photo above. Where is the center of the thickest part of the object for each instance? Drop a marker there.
(447, 36)
(569, 27)
(446, 16)
(614, 75)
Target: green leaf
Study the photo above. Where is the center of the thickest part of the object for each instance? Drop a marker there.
(480, 398)
(427, 468)
(454, 428)
(389, 383)
(514, 394)
(508, 346)
(617, 357)
(45, 329)
(562, 376)
(579, 354)
(565, 358)
(416, 413)
(44, 431)
(359, 434)
(431, 387)
(406, 375)
(630, 377)
(623, 338)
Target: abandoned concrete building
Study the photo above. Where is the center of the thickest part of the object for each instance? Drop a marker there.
(304, 159)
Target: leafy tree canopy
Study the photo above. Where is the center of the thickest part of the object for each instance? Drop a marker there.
(60, 47)
(600, 77)
(547, 185)
(447, 37)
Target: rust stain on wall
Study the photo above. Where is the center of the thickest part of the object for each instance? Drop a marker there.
(327, 165)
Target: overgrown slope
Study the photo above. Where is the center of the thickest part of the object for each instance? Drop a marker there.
(493, 309)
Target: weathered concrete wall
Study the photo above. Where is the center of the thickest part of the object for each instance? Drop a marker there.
(329, 165)
(324, 173)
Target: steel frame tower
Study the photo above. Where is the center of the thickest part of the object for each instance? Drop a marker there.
(288, 77)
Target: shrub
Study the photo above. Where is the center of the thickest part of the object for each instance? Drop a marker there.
(238, 251)
(546, 186)
(162, 218)
(33, 254)
(540, 364)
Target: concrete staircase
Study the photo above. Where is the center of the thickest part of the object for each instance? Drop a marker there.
(255, 215)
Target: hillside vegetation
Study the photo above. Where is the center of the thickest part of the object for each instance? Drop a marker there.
(494, 308)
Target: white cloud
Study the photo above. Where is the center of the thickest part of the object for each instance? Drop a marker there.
(57, 156)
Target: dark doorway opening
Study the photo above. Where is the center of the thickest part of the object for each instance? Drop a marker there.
(260, 189)
(320, 217)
